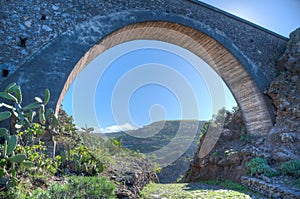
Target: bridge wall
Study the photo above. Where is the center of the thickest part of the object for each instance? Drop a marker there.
(55, 45)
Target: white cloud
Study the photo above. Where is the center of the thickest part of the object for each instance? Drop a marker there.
(117, 128)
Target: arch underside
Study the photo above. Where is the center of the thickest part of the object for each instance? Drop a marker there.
(243, 87)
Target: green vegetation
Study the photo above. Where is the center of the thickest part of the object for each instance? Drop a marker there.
(78, 187)
(291, 168)
(179, 179)
(258, 165)
(162, 133)
(245, 137)
(26, 163)
(212, 189)
(30, 169)
(221, 119)
(75, 187)
(20, 144)
(204, 129)
(228, 184)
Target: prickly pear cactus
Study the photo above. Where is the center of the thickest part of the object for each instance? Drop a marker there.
(21, 118)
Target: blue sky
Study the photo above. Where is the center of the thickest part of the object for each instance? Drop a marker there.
(136, 83)
(280, 16)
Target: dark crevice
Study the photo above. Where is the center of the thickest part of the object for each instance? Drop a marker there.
(5, 72)
(22, 41)
(43, 17)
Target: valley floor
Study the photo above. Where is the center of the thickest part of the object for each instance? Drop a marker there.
(195, 191)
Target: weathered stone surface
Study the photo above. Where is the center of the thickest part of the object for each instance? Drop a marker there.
(40, 22)
(290, 60)
(56, 36)
(131, 175)
(227, 158)
(285, 93)
(280, 145)
(285, 89)
(272, 189)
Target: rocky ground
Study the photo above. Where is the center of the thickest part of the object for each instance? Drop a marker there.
(228, 157)
(196, 190)
(163, 133)
(235, 147)
(130, 176)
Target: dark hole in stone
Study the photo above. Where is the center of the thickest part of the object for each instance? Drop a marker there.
(167, 10)
(5, 72)
(23, 41)
(251, 40)
(43, 17)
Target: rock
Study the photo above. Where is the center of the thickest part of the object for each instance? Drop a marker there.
(22, 27)
(288, 137)
(282, 154)
(47, 28)
(130, 175)
(284, 90)
(55, 7)
(227, 133)
(270, 188)
(228, 156)
(280, 145)
(259, 141)
(24, 52)
(28, 23)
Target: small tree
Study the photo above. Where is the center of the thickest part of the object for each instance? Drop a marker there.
(87, 130)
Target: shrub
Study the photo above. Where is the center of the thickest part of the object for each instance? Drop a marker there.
(291, 168)
(232, 185)
(257, 166)
(245, 137)
(85, 161)
(78, 187)
(80, 160)
(204, 129)
(14, 192)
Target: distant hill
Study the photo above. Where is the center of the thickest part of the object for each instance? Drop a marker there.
(159, 134)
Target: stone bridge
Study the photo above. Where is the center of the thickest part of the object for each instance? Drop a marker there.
(46, 45)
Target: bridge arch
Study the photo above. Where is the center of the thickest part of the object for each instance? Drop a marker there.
(239, 81)
(57, 64)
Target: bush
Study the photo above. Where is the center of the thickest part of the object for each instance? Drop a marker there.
(291, 168)
(78, 187)
(257, 166)
(204, 129)
(14, 192)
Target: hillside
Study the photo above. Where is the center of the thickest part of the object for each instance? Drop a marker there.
(157, 135)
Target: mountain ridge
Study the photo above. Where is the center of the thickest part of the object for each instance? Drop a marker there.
(159, 134)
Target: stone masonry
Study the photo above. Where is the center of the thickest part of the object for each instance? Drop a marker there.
(42, 42)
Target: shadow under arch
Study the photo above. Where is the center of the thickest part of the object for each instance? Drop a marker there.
(234, 74)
